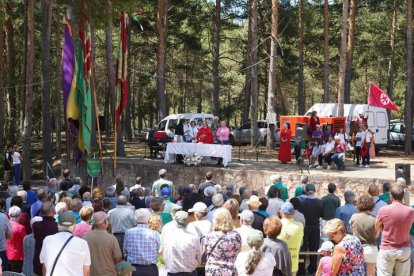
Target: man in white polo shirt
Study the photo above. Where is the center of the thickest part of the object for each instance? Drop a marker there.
(63, 253)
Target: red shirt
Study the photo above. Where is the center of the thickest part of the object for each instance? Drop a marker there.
(208, 138)
(14, 249)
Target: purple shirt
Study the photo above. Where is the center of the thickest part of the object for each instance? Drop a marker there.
(326, 135)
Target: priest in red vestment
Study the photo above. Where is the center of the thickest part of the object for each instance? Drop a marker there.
(285, 154)
(205, 135)
(314, 120)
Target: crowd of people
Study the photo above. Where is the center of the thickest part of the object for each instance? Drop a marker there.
(322, 145)
(205, 229)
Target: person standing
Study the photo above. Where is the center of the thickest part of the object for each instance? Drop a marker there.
(222, 135)
(121, 219)
(345, 212)
(246, 221)
(367, 144)
(359, 137)
(363, 227)
(156, 186)
(63, 253)
(104, 247)
(5, 234)
(373, 191)
(330, 203)
(15, 244)
(292, 234)
(313, 121)
(285, 154)
(141, 245)
(41, 229)
(17, 160)
(311, 207)
(8, 163)
(205, 135)
(394, 221)
(181, 249)
(222, 245)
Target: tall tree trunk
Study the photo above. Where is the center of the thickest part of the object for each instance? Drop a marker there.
(2, 103)
(247, 80)
(342, 61)
(11, 76)
(215, 92)
(409, 91)
(162, 57)
(58, 90)
(271, 92)
(350, 51)
(128, 123)
(27, 127)
(301, 92)
(46, 112)
(22, 90)
(110, 71)
(391, 64)
(254, 80)
(326, 51)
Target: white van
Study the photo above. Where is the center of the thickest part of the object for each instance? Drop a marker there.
(173, 119)
(377, 118)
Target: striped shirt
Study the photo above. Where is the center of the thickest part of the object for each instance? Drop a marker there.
(141, 245)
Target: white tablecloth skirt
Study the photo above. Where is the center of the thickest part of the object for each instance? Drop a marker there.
(212, 150)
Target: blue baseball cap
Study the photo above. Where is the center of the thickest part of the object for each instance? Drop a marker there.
(287, 208)
(166, 192)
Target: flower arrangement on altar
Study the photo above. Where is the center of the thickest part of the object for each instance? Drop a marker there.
(192, 159)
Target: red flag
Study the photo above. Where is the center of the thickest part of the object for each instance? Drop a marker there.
(121, 76)
(379, 98)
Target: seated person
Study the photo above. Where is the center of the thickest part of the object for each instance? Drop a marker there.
(328, 151)
(339, 153)
(316, 156)
(317, 133)
(299, 147)
(152, 142)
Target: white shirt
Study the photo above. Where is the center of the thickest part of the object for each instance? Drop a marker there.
(244, 231)
(16, 158)
(264, 268)
(299, 217)
(329, 147)
(368, 136)
(198, 227)
(74, 257)
(274, 206)
(181, 251)
(359, 138)
(167, 229)
(136, 186)
(343, 137)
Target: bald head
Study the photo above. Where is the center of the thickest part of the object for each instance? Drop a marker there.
(373, 190)
(246, 194)
(122, 200)
(47, 209)
(100, 220)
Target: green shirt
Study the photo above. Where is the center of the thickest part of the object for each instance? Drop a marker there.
(165, 218)
(299, 190)
(386, 197)
(283, 190)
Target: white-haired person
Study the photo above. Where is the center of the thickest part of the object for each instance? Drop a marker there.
(222, 245)
(339, 153)
(14, 247)
(255, 262)
(74, 258)
(29, 243)
(60, 207)
(142, 245)
(85, 226)
(217, 201)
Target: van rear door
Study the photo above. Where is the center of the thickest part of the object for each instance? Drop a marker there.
(381, 128)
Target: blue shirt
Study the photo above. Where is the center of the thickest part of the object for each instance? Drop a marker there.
(31, 197)
(78, 218)
(142, 245)
(35, 209)
(345, 213)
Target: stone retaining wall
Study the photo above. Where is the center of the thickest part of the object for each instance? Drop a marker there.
(255, 179)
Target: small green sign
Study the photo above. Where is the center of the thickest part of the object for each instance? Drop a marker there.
(94, 167)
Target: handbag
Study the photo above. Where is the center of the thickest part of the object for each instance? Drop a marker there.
(60, 252)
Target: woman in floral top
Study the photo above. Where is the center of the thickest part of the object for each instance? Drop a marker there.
(348, 256)
(222, 246)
